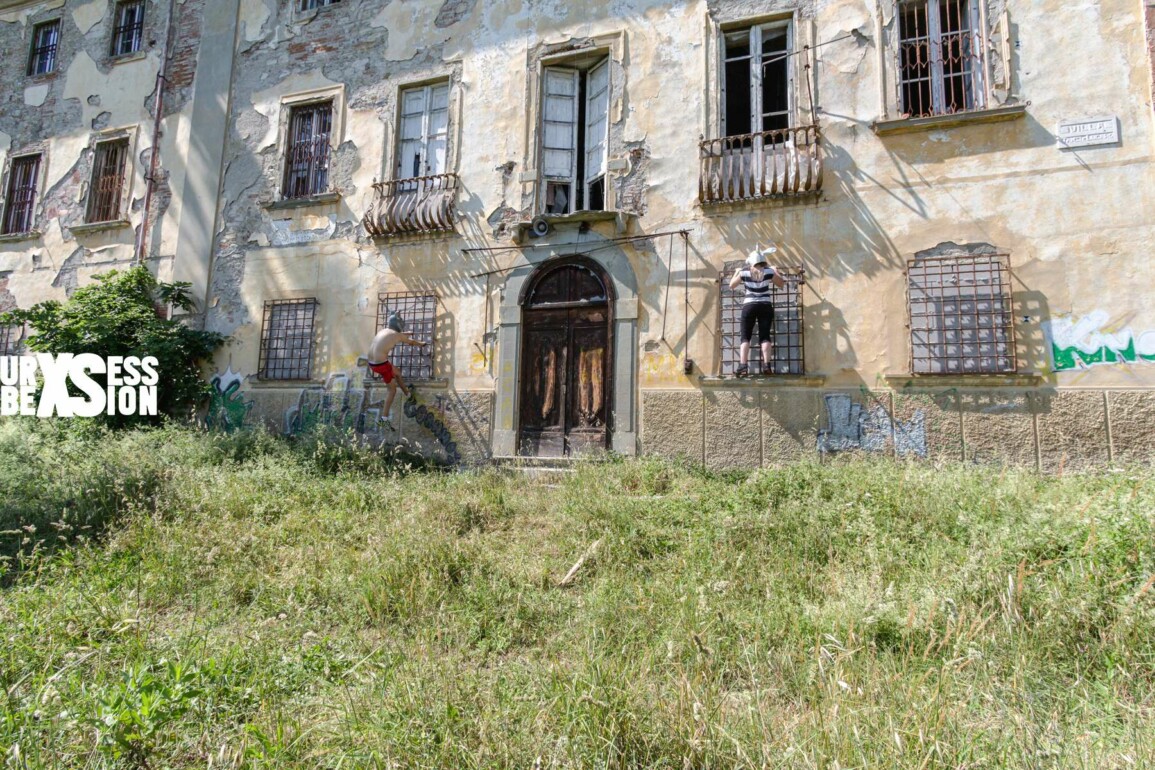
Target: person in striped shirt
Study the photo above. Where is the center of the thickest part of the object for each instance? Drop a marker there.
(757, 306)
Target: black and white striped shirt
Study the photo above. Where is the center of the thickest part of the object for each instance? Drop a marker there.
(757, 291)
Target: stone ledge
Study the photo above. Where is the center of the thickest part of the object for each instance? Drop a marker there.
(125, 58)
(97, 227)
(321, 199)
(26, 236)
(1025, 379)
(911, 125)
(764, 381)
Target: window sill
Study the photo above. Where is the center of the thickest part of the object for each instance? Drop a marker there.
(763, 381)
(1023, 379)
(125, 58)
(321, 199)
(16, 237)
(934, 122)
(98, 227)
(622, 220)
(42, 77)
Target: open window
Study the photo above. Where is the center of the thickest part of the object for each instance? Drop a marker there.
(575, 137)
(128, 34)
(940, 67)
(757, 81)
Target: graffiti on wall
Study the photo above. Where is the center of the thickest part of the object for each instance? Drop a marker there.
(228, 408)
(1078, 343)
(343, 402)
(870, 428)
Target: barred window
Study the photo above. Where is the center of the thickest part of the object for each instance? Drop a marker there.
(10, 335)
(287, 339)
(307, 154)
(309, 5)
(20, 197)
(787, 337)
(939, 57)
(420, 313)
(129, 30)
(45, 41)
(961, 317)
(107, 188)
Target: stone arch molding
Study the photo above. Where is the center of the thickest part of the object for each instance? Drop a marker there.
(611, 258)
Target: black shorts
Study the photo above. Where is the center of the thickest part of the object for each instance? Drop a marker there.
(763, 313)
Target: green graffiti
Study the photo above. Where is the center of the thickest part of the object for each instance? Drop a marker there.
(228, 409)
(1075, 358)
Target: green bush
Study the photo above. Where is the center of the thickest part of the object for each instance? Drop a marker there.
(117, 316)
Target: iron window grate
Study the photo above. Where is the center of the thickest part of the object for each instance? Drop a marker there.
(307, 160)
(20, 200)
(420, 313)
(961, 315)
(10, 335)
(107, 181)
(309, 5)
(939, 57)
(129, 31)
(45, 41)
(287, 339)
(787, 336)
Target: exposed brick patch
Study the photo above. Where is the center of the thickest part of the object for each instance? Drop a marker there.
(186, 44)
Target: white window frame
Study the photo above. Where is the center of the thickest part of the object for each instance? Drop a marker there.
(427, 136)
(754, 31)
(581, 164)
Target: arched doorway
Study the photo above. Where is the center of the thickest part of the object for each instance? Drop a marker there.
(565, 391)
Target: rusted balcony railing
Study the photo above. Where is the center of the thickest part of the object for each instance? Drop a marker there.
(421, 204)
(771, 164)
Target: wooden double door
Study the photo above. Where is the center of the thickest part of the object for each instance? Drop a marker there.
(565, 366)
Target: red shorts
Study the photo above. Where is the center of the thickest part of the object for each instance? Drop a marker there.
(385, 369)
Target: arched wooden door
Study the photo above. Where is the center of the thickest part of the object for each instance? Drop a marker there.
(565, 362)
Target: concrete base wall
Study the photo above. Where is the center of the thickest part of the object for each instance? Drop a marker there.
(1050, 430)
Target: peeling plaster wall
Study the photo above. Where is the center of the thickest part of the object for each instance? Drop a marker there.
(89, 96)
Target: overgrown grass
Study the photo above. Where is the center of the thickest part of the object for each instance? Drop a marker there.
(188, 599)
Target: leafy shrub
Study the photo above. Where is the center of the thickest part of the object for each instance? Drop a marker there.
(117, 316)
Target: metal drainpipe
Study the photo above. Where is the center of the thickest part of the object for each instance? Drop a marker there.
(158, 106)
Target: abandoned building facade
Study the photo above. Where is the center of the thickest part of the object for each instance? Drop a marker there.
(555, 195)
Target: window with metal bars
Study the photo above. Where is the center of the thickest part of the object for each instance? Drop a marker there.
(961, 315)
(309, 5)
(420, 314)
(20, 197)
(128, 33)
(307, 154)
(287, 339)
(940, 57)
(10, 335)
(107, 188)
(787, 336)
(45, 41)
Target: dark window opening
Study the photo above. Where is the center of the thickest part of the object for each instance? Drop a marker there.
(107, 188)
(129, 32)
(287, 339)
(309, 5)
(10, 335)
(939, 57)
(307, 161)
(575, 135)
(20, 200)
(758, 54)
(419, 310)
(45, 41)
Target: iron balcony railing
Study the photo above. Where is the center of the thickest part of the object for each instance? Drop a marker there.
(770, 164)
(421, 204)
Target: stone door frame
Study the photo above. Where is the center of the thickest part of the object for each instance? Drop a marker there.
(623, 331)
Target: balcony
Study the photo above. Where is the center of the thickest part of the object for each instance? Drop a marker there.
(422, 204)
(783, 163)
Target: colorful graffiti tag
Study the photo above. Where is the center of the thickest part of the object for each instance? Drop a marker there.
(871, 429)
(428, 420)
(1078, 343)
(228, 408)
